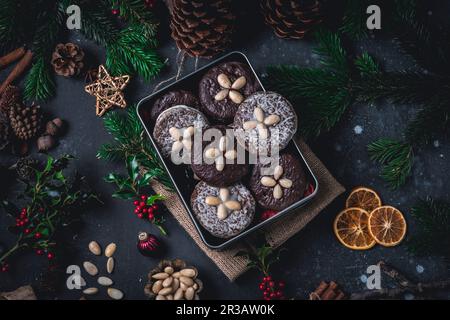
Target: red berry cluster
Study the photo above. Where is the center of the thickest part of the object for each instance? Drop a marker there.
(142, 210)
(272, 290)
(268, 214)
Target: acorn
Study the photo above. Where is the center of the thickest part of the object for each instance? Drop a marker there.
(45, 143)
(53, 127)
(148, 245)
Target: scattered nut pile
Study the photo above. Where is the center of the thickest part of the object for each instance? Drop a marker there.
(92, 270)
(48, 140)
(173, 280)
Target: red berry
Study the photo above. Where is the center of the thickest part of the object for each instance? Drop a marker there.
(144, 198)
(50, 256)
(273, 295)
(271, 283)
(136, 210)
(115, 12)
(21, 223)
(151, 216)
(136, 203)
(269, 278)
(281, 284)
(27, 231)
(37, 235)
(140, 215)
(155, 207)
(261, 287)
(39, 252)
(142, 204)
(266, 293)
(279, 294)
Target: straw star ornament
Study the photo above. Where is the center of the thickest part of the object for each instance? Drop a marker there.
(108, 90)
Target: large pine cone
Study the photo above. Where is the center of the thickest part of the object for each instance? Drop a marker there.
(11, 96)
(67, 60)
(25, 121)
(202, 28)
(25, 168)
(4, 131)
(291, 18)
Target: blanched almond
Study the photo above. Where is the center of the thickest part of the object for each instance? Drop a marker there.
(285, 183)
(167, 282)
(178, 294)
(239, 83)
(188, 273)
(233, 205)
(110, 265)
(110, 249)
(212, 201)
(224, 194)
(157, 286)
(90, 268)
(272, 120)
(249, 125)
(90, 291)
(231, 154)
(222, 213)
(224, 81)
(278, 172)
(94, 247)
(236, 96)
(268, 181)
(277, 192)
(189, 294)
(165, 291)
(259, 114)
(222, 94)
(115, 294)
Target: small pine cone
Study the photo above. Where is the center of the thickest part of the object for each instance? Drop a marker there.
(11, 96)
(25, 121)
(291, 19)
(25, 168)
(67, 59)
(202, 28)
(4, 132)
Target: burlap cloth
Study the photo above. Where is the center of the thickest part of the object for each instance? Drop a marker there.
(277, 233)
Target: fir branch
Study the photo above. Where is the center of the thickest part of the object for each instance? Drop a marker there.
(39, 84)
(8, 23)
(131, 142)
(354, 20)
(331, 52)
(433, 221)
(396, 158)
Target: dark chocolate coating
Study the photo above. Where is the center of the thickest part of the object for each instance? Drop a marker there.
(224, 110)
(207, 172)
(171, 99)
(292, 169)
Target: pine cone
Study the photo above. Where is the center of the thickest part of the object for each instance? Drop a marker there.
(25, 168)
(4, 131)
(202, 28)
(67, 60)
(291, 18)
(10, 96)
(25, 121)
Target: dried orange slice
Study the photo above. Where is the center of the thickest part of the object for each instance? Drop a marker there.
(363, 198)
(351, 228)
(387, 226)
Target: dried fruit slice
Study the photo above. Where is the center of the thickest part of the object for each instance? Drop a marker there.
(363, 198)
(351, 228)
(387, 226)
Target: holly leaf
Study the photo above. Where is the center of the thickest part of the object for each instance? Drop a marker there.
(113, 177)
(151, 200)
(133, 168)
(49, 164)
(124, 194)
(145, 180)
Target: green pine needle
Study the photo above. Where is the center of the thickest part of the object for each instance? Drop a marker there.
(354, 20)
(331, 52)
(433, 222)
(39, 84)
(396, 157)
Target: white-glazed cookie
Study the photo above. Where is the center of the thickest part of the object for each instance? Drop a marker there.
(224, 212)
(175, 127)
(264, 121)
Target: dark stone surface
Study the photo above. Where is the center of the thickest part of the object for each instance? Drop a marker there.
(313, 254)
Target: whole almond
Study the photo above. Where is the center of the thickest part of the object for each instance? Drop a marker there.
(224, 194)
(165, 291)
(239, 83)
(249, 125)
(160, 297)
(160, 276)
(212, 201)
(110, 265)
(187, 281)
(263, 132)
(277, 192)
(169, 297)
(223, 142)
(231, 154)
(90, 268)
(271, 120)
(176, 274)
(259, 114)
(189, 294)
(167, 282)
(285, 183)
(236, 96)
(222, 94)
(104, 281)
(178, 294)
(224, 81)
(183, 286)
(157, 286)
(175, 284)
(278, 172)
(168, 270)
(94, 247)
(115, 294)
(188, 273)
(110, 249)
(268, 181)
(90, 291)
(222, 213)
(233, 205)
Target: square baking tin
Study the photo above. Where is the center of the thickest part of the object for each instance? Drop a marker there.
(181, 175)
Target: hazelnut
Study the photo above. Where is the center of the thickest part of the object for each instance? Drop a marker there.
(45, 143)
(53, 127)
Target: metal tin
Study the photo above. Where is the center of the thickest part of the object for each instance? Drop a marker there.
(181, 176)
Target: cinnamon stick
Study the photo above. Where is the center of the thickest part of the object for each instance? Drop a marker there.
(20, 67)
(11, 57)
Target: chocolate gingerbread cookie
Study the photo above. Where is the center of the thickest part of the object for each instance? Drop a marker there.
(265, 122)
(224, 87)
(279, 186)
(217, 161)
(171, 99)
(174, 132)
(224, 212)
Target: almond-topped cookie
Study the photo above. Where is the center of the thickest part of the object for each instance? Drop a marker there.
(217, 163)
(281, 186)
(265, 123)
(171, 99)
(175, 129)
(223, 88)
(224, 212)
